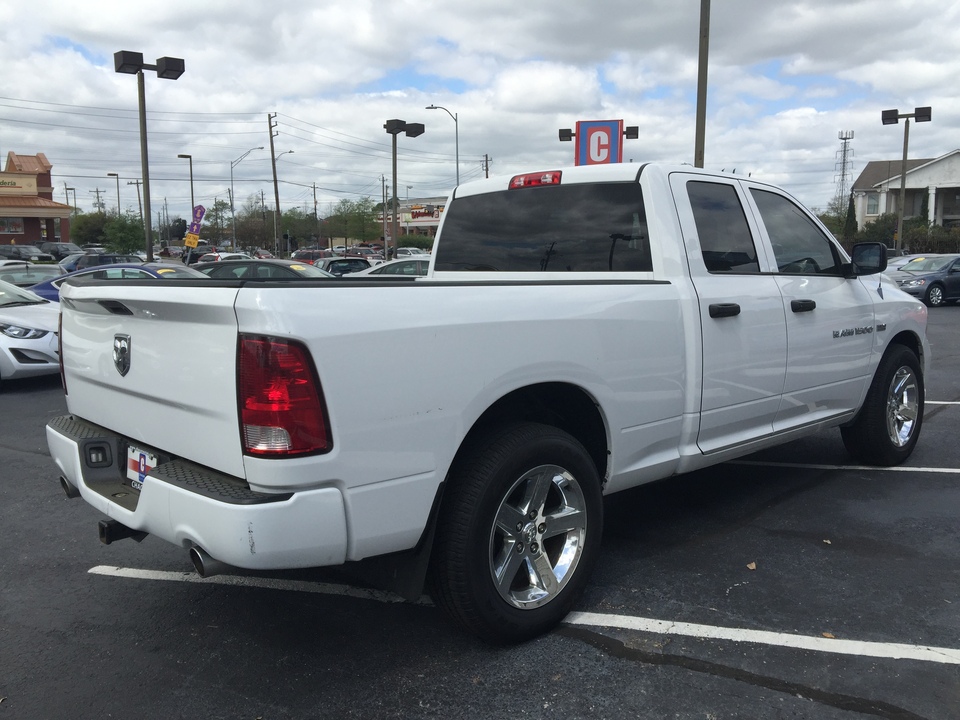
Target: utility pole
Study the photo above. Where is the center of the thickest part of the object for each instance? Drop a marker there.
(701, 130)
(271, 123)
(139, 202)
(98, 202)
(383, 214)
(486, 165)
(316, 217)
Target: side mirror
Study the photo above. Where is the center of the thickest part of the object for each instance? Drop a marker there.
(867, 259)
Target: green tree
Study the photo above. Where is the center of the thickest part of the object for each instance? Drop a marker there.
(252, 232)
(850, 224)
(338, 221)
(364, 225)
(124, 234)
(883, 229)
(216, 223)
(87, 228)
(178, 228)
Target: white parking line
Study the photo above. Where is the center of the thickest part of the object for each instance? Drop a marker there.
(898, 468)
(250, 581)
(897, 651)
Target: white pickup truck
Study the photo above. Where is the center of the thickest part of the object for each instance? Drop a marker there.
(581, 331)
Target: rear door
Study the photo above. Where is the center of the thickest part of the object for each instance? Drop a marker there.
(741, 312)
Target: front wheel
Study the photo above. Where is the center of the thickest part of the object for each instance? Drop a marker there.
(934, 296)
(888, 426)
(518, 533)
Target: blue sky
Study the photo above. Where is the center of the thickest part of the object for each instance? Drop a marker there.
(784, 79)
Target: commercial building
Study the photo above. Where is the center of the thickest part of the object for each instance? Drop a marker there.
(934, 182)
(28, 213)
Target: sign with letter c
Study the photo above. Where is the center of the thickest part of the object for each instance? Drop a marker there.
(599, 142)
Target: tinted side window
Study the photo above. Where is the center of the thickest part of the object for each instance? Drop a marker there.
(725, 240)
(799, 246)
(560, 228)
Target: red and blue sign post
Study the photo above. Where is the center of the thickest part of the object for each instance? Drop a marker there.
(599, 142)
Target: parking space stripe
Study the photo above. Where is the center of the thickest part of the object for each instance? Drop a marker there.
(250, 581)
(812, 466)
(896, 651)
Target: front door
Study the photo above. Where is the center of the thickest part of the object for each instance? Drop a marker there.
(830, 318)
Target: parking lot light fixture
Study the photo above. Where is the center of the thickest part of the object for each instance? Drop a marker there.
(456, 134)
(169, 68)
(394, 128)
(117, 177)
(193, 204)
(276, 199)
(892, 117)
(233, 214)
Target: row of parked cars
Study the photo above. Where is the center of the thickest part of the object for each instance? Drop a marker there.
(932, 278)
(30, 290)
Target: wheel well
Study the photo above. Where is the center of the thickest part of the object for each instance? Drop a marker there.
(909, 340)
(564, 406)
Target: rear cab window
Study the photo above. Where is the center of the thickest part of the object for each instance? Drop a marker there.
(588, 227)
(726, 243)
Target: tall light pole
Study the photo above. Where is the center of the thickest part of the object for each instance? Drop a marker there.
(233, 214)
(394, 128)
(892, 117)
(169, 68)
(193, 204)
(456, 134)
(117, 177)
(276, 199)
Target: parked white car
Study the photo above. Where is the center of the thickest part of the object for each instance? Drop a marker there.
(28, 334)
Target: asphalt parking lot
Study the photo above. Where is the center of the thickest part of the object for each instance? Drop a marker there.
(792, 584)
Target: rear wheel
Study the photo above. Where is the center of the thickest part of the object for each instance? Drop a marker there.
(518, 533)
(888, 426)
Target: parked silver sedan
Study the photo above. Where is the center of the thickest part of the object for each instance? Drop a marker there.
(28, 334)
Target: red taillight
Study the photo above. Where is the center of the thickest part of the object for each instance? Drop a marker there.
(535, 179)
(282, 412)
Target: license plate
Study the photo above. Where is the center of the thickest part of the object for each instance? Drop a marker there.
(139, 463)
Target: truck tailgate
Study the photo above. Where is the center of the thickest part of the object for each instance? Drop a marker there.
(176, 390)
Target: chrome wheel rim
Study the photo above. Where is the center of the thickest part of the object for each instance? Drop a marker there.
(936, 295)
(903, 406)
(537, 537)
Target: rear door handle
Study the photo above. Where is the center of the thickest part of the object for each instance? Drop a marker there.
(803, 305)
(719, 310)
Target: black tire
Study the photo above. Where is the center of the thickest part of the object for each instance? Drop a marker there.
(888, 426)
(934, 296)
(518, 532)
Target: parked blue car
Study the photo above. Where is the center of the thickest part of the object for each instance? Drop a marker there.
(934, 279)
(50, 289)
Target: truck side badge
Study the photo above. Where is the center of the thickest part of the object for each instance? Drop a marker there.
(121, 353)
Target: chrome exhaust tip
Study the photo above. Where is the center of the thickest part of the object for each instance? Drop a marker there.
(205, 565)
(69, 489)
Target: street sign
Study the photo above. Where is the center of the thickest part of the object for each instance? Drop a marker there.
(192, 238)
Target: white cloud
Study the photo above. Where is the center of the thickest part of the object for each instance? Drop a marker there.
(784, 79)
